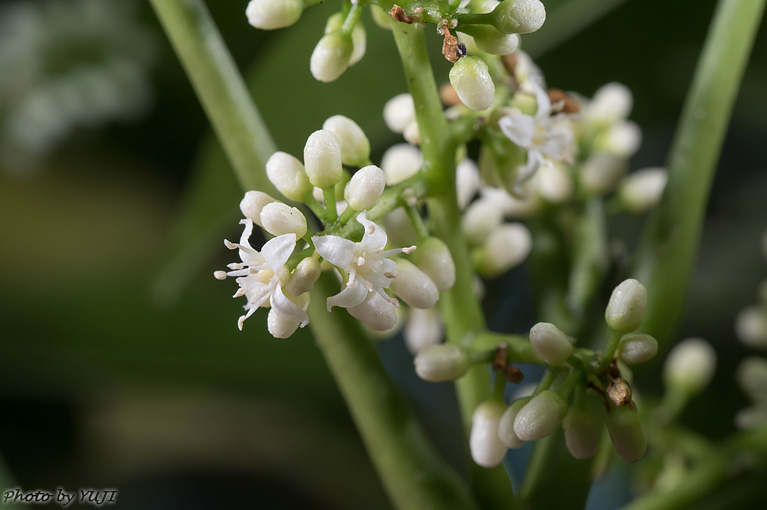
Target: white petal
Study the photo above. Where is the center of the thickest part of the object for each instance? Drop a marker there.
(336, 250)
(374, 238)
(287, 308)
(350, 296)
(544, 103)
(519, 128)
(277, 251)
(376, 312)
(246, 232)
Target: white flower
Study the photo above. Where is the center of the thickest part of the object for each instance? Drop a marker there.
(258, 276)
(366, 263)
(542, 135)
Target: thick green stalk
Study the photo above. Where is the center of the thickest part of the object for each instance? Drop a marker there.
(666, 255)
(411, 471)
(460, 308)
(220, 88)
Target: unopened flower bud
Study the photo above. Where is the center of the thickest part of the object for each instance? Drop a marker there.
(487, 449)
(641, 190)
(490, 40)
(622, 140)
(322, 158)
(272, 14)
(359, 41)
(365, 188)
(751, 327)
(376, 312)
(414, 286)
(482, 217)
(555, 182)
(398, 112)
(355, 147)
(304, 276)
(582, 426)
(382, 18)
(471, 80)
(252, 203)
(752, 378)
(626, 432)
(433, 258)
(331, 56)
(423, 328)
(638, 348)
(440, 363)
(550, 343)
(281, 325)
(288, 176)
(751, 418)
(412, 133)
(539, 417)
(506, 247)
(278, 219)
(690, 366)
(519, 16)
(601, 172)
(400, 162)
(466, 182)
(611, 104)
(506, 425)
(626, 307)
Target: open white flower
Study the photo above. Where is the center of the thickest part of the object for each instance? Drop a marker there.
(542, 135)
(369, 267)
(258, 276)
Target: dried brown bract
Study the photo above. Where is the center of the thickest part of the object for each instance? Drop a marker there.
(452, 48)
(398, 13)
(619, 392)
(562, 102)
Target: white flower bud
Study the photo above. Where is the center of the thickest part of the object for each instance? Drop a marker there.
(622, 140)
(582, 427)
(466, 182)
(423, 328)
(539, 417)
(355, 147)
(400, 162)
(488, 39)
(400, 229)
(382, 18)
(440, 363)
(359, 41)
(626, 432)
(288, 176)
(376, 312)
(304, 276)
(414, 286)
(252, 203)
(751, 418)
(487, 449)
(279, 325)
(278, 219)
(412, 133)
(322, 158)
(611, 104)
(332, 56)
(641, 190)
(433, 258)
(626, 307)
(752, 378)
(398, 112)
(505, 248)
(506, 425)
(365, 188)
(638, 348)
(690, 366)
(600, 172)
(550, 343)
(472, 82)
(519, 16)
(555, 183)
(482, 217)
(751, 327)
(272, 14)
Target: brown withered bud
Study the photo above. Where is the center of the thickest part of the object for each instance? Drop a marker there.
(510, 62)
(398, 13)
(563, 102)
(448, 95)
(499, 358)
(452, 48)
(513, 374)
(619, 392)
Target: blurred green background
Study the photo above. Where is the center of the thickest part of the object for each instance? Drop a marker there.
(120, 361)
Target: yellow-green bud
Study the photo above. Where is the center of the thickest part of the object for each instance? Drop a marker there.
(332, 56)
(539, 417)
(626, 307)
(626, 432)
(304, 276)
(582, 426)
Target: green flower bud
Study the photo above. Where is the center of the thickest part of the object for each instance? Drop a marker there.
(490, 40)
(381, 18)
(480, 219)
(626, 307)
(331, 56)
(539, 417)
(252, 204)
(304, 276)
(433, 258)
(752, 378)
(582, 426)
(355, 147)
(487, 449)
(506, 425)
(506, 247)
(626, 432)
(641, 190)
(288, 176)
(550, 343)
(601, 172)
(271, 14)
(439, 363)
(358, 36)
(278, 219)
(519, 16)
(690, 366)
(414, 286)
(322, 158)
(472, 82)
(365, 188)
(636, 349)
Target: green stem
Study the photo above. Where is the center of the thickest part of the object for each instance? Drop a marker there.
(331, 214)
(610, 347)
(417, 221)
(520, 350)
(460, 307)
(666, 254)
(220, 88)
